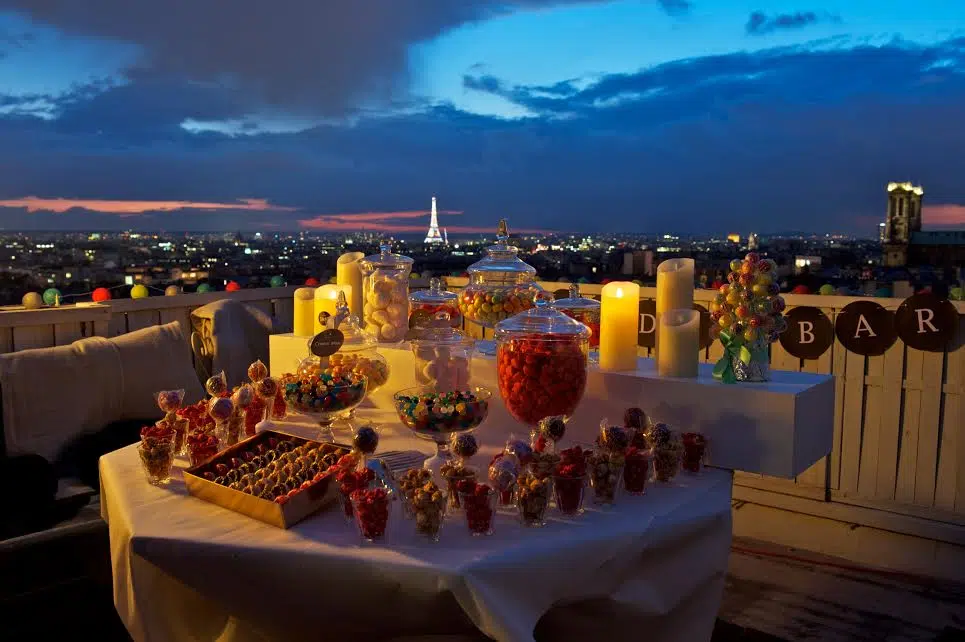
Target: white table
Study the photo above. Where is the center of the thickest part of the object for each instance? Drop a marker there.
(651, 566)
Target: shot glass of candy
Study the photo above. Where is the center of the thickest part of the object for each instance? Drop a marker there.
(636, 470)
(157, 453)
(202, 446)
(371, 509)
(569, 481)
(606, 470)
(532, 498)
(479, 503)
(695, 445)
(428, 505)
(454, 473)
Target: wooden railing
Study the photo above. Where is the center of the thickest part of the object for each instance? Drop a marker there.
(899, 434)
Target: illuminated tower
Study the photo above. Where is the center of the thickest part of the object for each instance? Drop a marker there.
(434, 237)
(901, 222)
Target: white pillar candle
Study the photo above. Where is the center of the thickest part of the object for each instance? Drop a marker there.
(304, 322)
(326, 298)
(619, 314)
(675, 289)
(678, 350)
(347, 273)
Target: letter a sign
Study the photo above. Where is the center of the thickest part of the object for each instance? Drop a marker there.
(926, 322)
(809, 333)
(866, 328)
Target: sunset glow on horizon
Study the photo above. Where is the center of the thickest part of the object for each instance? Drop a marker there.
(125, 208)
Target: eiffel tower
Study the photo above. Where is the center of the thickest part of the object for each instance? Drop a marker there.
(434, 236)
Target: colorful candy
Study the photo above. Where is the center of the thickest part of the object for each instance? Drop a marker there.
(411, 480)
(157, 453)
(324, 393)
(371, 508)
(442, 412)
(376, 370)
(748, 308)
(487, 307)
(428, 505)
(541, 376)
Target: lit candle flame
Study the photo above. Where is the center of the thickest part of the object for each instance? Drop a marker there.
(619, 293)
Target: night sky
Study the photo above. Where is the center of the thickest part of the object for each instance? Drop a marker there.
(702, 116)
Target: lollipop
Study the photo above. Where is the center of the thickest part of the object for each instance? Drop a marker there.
(613, 438)
(503, 471)
(635, 418)
(170, 400)
(365, 440)
(257, 371)
(549, 431)
(217, 386)
(463, 445)
(243, 396)
(220, 409)
(518, 447)
(266, 388)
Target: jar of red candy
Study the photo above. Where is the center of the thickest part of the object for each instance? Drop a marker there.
(694, 446)
(584, 310)
(541, 357)
(424, 305)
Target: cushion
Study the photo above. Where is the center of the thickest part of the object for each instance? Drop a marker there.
(152, 359)
(232, 336)
(52, 395)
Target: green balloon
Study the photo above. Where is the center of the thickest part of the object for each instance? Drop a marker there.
(826, 289)
(956, 294)
(883, 293)
(205, 287)
(277, 281)
(52, 296)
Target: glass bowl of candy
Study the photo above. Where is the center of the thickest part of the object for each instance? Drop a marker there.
(324, 397)
(541, 360)
(385, 290)
(425, 305)
(442, 356)
(500, 285)
(435, 415)
(156, 451)
(582, 309)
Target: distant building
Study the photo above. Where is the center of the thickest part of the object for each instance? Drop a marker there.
(903, 243)
(753, 242)
(881, 232)
(638, 263)
(434, 236)
(734, 238)
(804, 264)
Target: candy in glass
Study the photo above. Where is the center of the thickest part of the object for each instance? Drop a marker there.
(385, 289)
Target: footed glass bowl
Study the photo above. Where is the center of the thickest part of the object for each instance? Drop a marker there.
(325, 401)
(437, 415)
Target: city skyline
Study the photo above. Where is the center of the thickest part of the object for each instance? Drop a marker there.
(684, 117)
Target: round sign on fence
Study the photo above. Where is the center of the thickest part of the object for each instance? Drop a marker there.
(866, 328)
(926, 322)
(809, 333)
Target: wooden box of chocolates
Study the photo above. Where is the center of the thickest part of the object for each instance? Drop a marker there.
(272, 477)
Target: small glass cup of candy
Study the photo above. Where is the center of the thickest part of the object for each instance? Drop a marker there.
(606, 471)
(442, 356)
(371, 509)
(582, 309)
(547, 433)
(202, 446)
(426, 305)
(350, 479)
(695, 444)
(156, 451)
(428, 507)
(500, 285)
(479, 504)
(410, 481)
(503, 473)
(385, 290)
(636, 469)
(569, 480)
(541, 360)
(171, 402)
(436, 415)
(324, 397)
(532, 498)
(455, 473)
(666, 447)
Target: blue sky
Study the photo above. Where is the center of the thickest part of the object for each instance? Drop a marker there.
(787, 116)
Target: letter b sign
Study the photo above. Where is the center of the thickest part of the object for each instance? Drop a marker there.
(809, 333)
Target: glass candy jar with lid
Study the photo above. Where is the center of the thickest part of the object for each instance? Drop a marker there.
(424, 305)
(541, 360)
(385, 291)
(500, 285)
(443, 356)
(584, 310)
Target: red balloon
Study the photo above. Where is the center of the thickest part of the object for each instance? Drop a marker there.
(800, 289)
(605, 281)
(101, 294)
(312, 282)
(232, 286)
(716, 285)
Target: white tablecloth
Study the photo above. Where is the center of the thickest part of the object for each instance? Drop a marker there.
(650, 567)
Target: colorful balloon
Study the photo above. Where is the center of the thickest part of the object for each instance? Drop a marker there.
(800, 289)
(32, 300)
(172, 290)
(52, 296)
(101, 294)
(956, 294)
(205, 288)
(826, 290)
(140, 291)
(277, 281)
(311, 282)
(232, 286)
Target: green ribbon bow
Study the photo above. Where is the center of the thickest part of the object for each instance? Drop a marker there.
(733, 347)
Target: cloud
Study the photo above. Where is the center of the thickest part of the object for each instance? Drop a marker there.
(942, 216)
(60, 205)
(759, 23)
(798, 138)
(319, 57)
(676, 7)
(387, 222)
